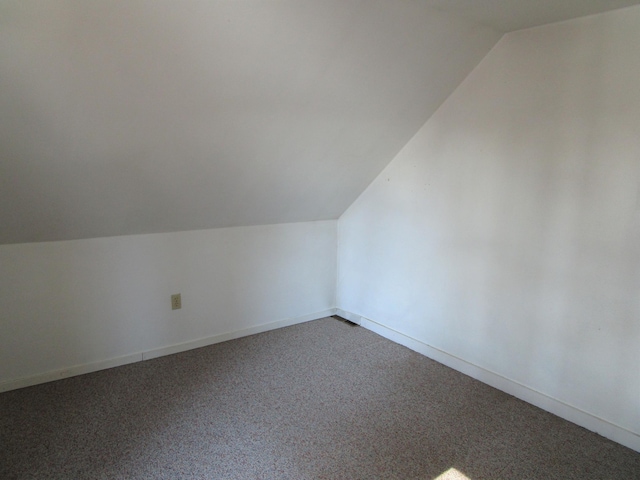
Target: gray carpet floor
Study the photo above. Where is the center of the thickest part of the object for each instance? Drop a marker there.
(320, 400)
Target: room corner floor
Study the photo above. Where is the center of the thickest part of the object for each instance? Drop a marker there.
(321, 399)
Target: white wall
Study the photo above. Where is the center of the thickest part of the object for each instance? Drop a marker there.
(506, 232)
(85, 304)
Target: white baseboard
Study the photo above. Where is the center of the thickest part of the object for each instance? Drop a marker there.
(352, 317)
(75, 370)
(557, 407)
(71, 371)
(203, 342)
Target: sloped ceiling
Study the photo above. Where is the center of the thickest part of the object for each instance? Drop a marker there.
(510, 15)
(141, 116)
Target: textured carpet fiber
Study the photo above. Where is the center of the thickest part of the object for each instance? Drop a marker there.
(318, 400)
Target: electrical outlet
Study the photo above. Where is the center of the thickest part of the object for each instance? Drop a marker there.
(176, 301)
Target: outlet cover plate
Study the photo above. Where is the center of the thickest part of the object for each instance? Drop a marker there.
(176, 302)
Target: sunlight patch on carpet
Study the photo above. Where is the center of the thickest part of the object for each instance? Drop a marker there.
(452, 474)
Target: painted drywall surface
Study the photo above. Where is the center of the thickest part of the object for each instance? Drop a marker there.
(77, 302)
(511, 15)
(506, 232)
(148, 116)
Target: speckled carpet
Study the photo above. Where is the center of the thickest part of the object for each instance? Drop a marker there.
(320, 400)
